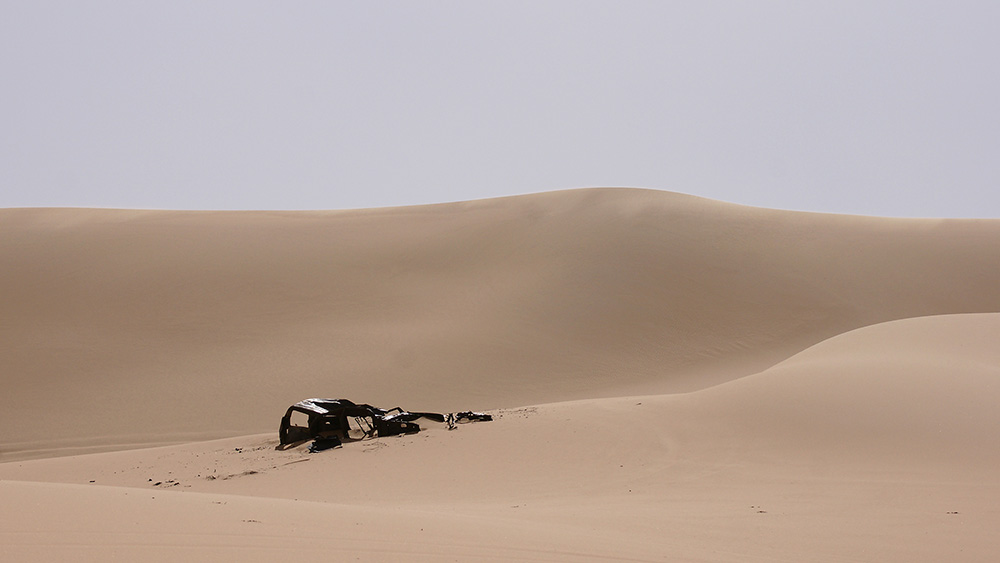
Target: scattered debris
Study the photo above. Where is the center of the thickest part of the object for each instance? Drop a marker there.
(232, 475)
(465, 417)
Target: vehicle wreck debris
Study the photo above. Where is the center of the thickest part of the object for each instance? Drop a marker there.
(464, 417)
(333, 421)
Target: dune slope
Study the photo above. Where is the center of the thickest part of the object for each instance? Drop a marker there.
(879, 444)
(140, 327)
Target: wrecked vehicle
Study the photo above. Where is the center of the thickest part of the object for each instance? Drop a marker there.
(332, 421)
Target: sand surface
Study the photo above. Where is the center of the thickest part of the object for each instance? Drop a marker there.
(672, 379)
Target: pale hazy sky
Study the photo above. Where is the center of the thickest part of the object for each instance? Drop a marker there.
(880, 108)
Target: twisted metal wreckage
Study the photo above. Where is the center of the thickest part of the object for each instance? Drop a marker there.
(330, 422)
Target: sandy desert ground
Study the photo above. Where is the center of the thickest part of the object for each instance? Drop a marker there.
(672, 379)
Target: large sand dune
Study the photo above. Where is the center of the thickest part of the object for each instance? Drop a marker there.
(673, 378)
(173, 325)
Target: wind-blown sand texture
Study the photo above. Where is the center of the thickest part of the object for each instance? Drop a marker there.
(673, 379)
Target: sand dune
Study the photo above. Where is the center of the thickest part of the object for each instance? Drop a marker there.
(859, 448)
(182, 325)
(673, 379)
